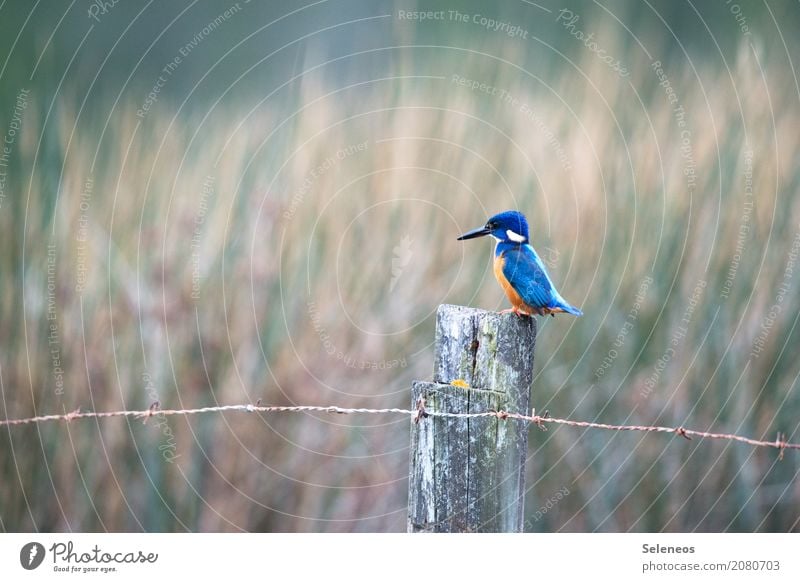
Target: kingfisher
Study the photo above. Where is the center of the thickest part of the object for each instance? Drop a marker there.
(519, 270)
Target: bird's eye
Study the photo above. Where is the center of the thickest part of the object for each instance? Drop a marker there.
(490, 225)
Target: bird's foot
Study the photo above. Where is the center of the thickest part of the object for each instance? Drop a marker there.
(516, 311)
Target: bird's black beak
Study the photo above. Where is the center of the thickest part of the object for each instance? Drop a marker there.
(482, 231)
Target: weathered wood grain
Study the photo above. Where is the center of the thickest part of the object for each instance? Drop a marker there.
(467, 474)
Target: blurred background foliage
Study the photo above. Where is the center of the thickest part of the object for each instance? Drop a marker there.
(278, 223)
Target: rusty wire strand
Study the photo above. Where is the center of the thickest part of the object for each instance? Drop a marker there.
(417, 414)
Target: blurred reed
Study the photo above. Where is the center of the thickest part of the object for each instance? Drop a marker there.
(296, 253)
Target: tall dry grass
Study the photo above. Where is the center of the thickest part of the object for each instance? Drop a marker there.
(296, 253)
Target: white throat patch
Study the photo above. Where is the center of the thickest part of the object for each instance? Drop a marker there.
(513, 236)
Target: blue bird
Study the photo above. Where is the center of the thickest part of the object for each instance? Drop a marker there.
(518, 268)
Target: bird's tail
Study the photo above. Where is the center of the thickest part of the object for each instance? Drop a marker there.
(570, 309)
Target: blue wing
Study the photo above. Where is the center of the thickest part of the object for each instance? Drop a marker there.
(525, 271)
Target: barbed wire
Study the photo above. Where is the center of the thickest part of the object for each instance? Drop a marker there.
(417, 414)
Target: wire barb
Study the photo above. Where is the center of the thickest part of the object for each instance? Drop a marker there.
(781, 443)
(420, 413)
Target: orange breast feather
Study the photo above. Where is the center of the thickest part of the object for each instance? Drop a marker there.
(513, 296)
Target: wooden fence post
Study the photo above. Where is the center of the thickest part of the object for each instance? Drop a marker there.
(467, 474)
